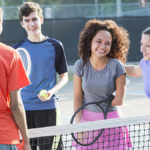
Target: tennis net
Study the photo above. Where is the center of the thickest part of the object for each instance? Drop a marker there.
(118, 134)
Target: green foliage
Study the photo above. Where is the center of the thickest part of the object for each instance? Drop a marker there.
(63, 1)
(107, 1)
(128, 1)
(43, 2)
(12, 2)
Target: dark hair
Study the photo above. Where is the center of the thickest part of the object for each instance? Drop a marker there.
(29, 7)
(120, 40)
(146, 31)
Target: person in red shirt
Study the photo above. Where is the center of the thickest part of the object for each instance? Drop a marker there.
(12, 115)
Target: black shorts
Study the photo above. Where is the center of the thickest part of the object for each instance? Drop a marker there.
(42, 118)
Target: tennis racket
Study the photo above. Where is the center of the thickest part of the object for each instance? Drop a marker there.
(25, 57)
(90, 112)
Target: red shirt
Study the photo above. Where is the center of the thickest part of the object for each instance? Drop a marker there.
(12, 77)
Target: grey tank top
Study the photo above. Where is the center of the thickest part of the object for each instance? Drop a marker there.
(99, 85)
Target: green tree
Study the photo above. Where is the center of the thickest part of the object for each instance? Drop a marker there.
(45, 2)
(12, 2)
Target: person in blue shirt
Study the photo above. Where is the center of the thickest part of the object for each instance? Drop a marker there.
(47, 59)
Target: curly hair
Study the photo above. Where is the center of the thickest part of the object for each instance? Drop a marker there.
(29, 7)
(120, 39)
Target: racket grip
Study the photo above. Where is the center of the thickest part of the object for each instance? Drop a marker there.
(111, 98)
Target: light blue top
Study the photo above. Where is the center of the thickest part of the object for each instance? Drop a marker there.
(47, 59)
(99, 85)
(145, 66)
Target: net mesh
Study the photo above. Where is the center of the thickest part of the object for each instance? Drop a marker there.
(24, 59)
(118, 134)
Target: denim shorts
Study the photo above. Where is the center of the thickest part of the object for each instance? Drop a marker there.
(7, 147)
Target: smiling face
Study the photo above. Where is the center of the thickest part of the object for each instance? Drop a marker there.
(145, 46)
(101, 44)
(32, 24)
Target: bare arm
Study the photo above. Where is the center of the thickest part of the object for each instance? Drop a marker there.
(18, 113)
(78, 94)
(63, 80)
(120, 91)
(133, 70)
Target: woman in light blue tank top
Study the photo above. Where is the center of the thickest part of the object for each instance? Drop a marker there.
(103, 47)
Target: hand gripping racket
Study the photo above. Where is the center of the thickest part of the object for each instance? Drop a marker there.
(25, 57)
(89, 112)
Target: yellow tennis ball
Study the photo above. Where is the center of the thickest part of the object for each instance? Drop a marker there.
(44, 93)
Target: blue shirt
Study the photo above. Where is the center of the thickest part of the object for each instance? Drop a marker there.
(47, 59)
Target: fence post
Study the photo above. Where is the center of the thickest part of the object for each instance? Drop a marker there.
(3, 7)
(96, 8)
(119, 8)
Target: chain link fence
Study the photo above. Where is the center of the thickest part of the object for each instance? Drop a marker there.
(65, 11)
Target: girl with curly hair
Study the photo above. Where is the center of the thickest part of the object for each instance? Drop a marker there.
(103, 47)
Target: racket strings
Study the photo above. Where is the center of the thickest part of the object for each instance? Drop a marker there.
(25, 57)
(90, 112)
